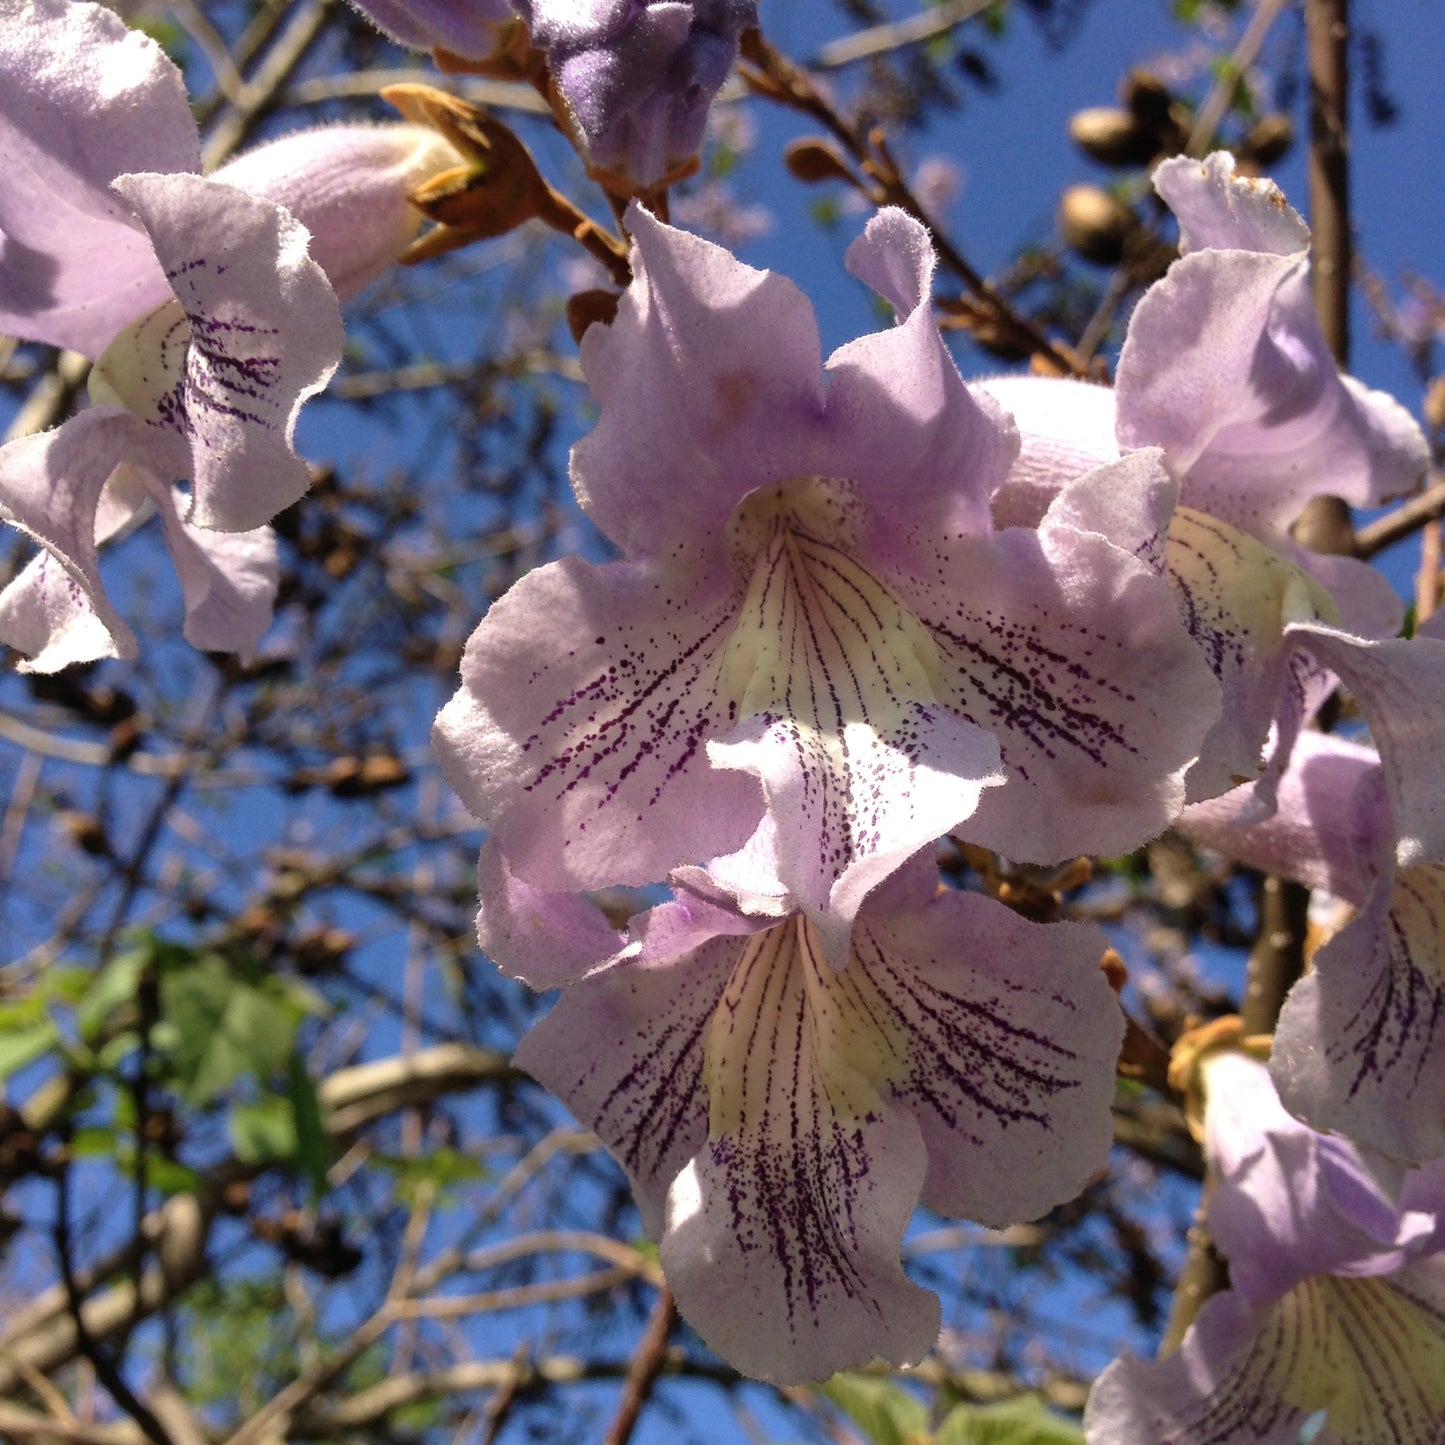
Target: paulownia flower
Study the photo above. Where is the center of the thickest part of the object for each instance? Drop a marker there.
(1360, 1045)
(1337, 1298)
(638, 76)
(812, 600)
(1226, 368)
(206, 307)
(465, 27)
(779, 1117)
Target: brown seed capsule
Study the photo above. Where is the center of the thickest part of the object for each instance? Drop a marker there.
(1112, 137)
(589, 308)
(1267, 139)
(1147, 97)
(813, 160)
(1095, 224)
(1325, 526)
(85, 830)
(384, 770)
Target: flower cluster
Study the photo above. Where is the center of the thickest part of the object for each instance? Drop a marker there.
(860, 605)
(208, 305)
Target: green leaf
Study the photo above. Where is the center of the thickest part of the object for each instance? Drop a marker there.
(113, 986)
(437, 1171)
(94, 1142)
(886, 1413)
(313, 1151)
(18, 1014)
(1023, 1421)
(227, 1027)
(116, 1051)
(263, 1131)
(19, 1047)
(170, 1176)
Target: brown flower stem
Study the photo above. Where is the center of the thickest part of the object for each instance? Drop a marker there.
(772, 75)
(1403, 522)
(1204, 1274)
(1277, 958)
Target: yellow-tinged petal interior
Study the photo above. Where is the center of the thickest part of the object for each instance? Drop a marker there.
(141, 367)
(790, 1026)
(818, 636)
(1417, 907)
(1364, 1351)
(1244, 585)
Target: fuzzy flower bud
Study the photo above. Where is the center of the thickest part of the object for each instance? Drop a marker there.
(465, 27)
(638, 76)
(349, 186)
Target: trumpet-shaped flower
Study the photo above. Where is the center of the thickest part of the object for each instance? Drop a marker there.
(779, 1118)
(1337, 1304)
(206, 306)
(812, 615)
(638, 76)
(1360, 1045)
(1226, 368)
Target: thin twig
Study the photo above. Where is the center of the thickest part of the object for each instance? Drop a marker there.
(493, 1301)
(262, 91)
(1327, 34)
(647, 1363)
(1277, 958)
(772, 75)
(106, 1370)
(1403, 522)
(1208, 116)
(880, 39)
(51, 397)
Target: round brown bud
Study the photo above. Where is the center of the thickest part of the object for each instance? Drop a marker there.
(1267, 139)
(814, 160)
(1095, 224)
(1147, 97)
(85, 830)
(1112, 137)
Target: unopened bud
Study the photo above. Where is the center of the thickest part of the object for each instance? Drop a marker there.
(384, 770)
(1267, 139)
(1095, 224)
(1113, 137)
(1325, 525)
(1147, 97)
(589, 308)
(814, 160)
(348, 185)
(85, 830)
